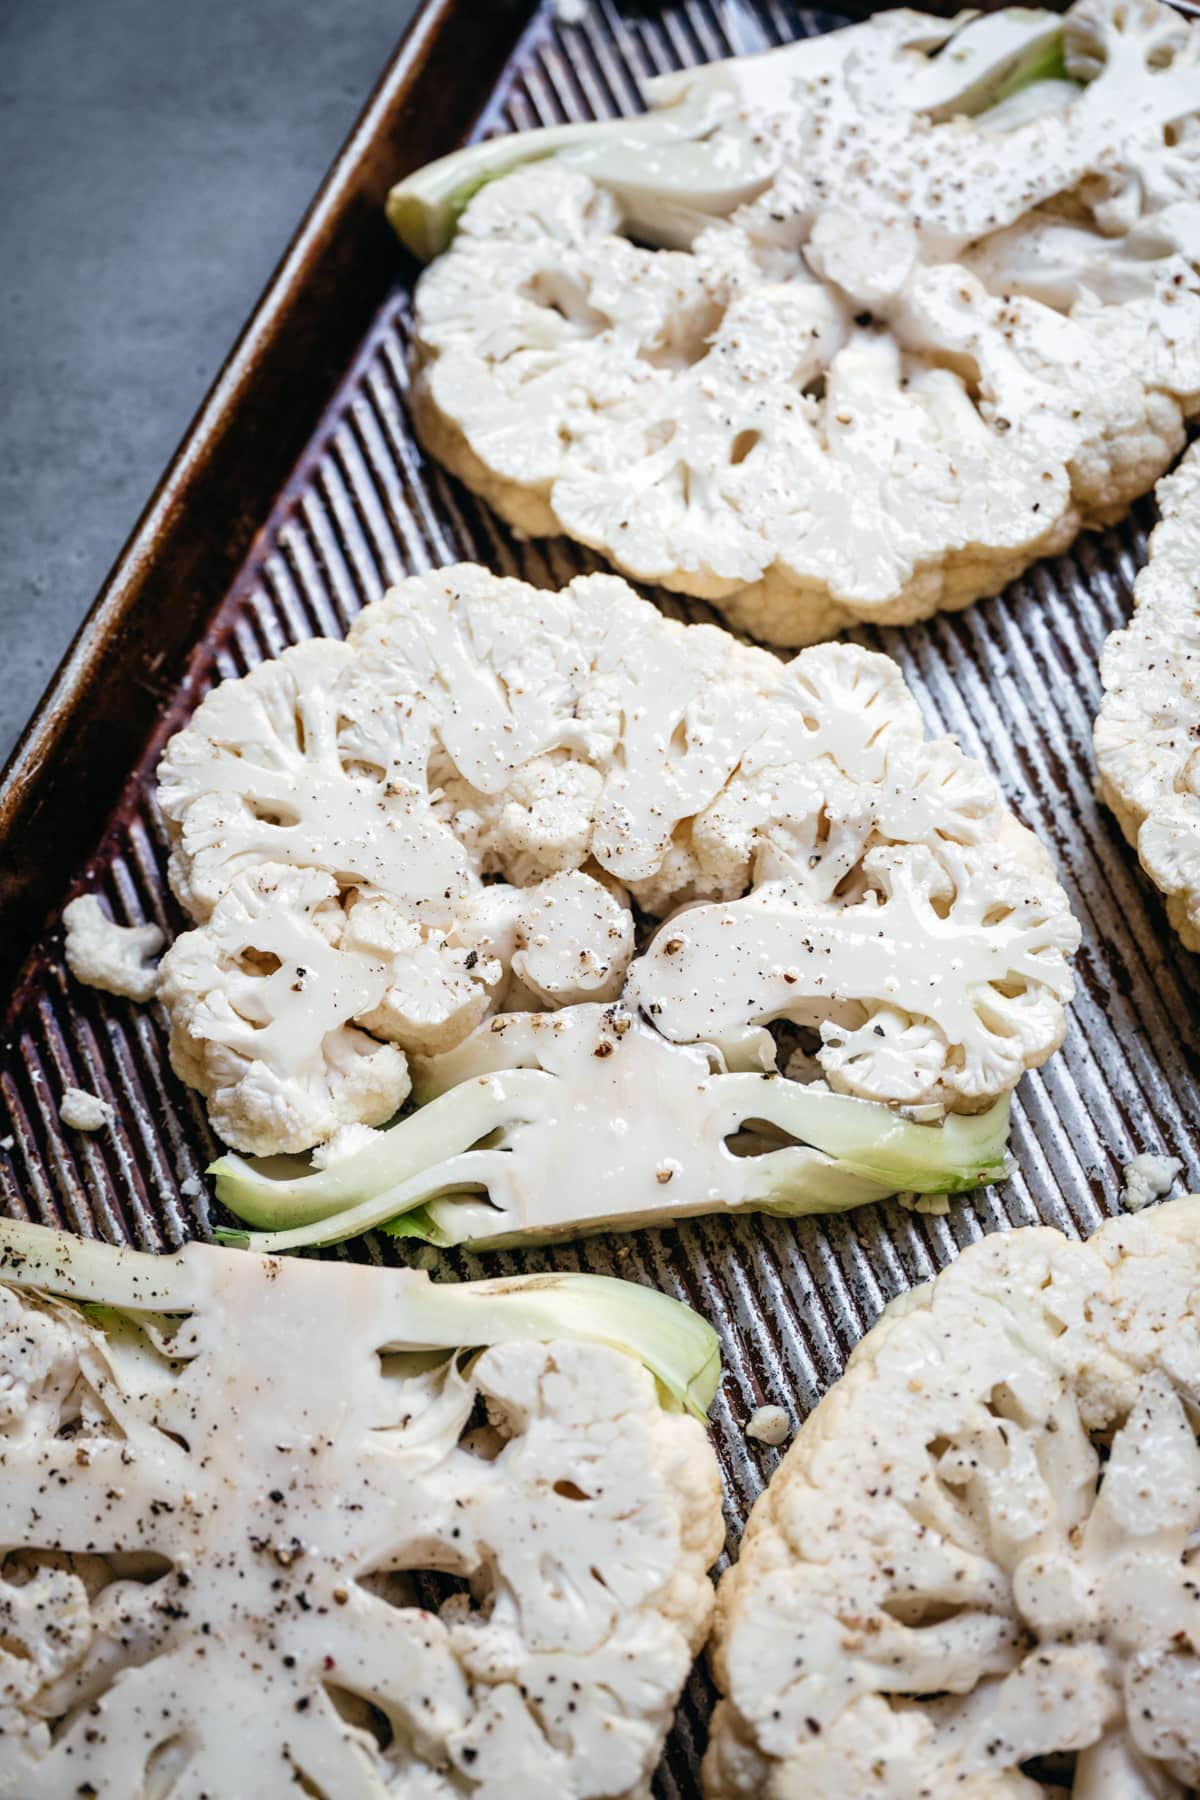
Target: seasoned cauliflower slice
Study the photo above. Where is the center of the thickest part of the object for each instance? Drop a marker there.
(895, 911)
(972, 1572)
(1145, 735)
(589, 763)
(226, 1471)
(932, 338)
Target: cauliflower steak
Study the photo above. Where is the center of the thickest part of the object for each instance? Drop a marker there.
(974, 1571)
(538, 855)
(847, 331)
(221, 1474)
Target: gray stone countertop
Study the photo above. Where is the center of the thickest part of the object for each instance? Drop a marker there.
(157, 156)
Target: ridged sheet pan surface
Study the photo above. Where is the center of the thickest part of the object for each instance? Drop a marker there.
(1015, 678)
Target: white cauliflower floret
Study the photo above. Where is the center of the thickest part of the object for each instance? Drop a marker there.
(1145, 735)
(436, 992)
(915, 351)
(255, 1464)
(783, 954)
(303, 762)
(900, 911)
(261, 1000)
(567, 940)
(976, 1554)
(106, 955)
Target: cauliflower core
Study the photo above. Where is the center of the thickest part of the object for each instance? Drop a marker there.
(974, 1571)
(219, 1479)
(469, 808)
(1146, 732)
(901, 354)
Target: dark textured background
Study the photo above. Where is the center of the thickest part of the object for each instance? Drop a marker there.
(156, 159)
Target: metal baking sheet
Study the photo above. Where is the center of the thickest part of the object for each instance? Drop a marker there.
(304, 469)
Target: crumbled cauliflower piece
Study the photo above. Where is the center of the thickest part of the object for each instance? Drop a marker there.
(1148, 1178)
(106, 955)
(829, 335)
(769, 1425)
(976, 1554)
(1145, 735)
(219, 1476)
(82, 1111)
(581, 755)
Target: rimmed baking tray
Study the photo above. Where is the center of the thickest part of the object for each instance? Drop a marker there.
(298, 494)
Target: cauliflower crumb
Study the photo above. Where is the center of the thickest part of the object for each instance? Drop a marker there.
(769, 1425)
(191, 1187)
(932, 1205)
(348, 1140)
(570, 12)
(103, 954)
(1148, 1178)
(83, 1111)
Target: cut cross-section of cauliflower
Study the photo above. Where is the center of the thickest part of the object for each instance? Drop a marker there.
(973, 1573)
(836, 332)
(946, 979)
(1148, 726)
(302, 762)
(106, 955)
(820, 868)
(556, 1123)
(261, 1000)
(900, 912)
(221, 1472)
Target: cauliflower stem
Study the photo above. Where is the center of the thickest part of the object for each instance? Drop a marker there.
(679, 1348)
(473, 1164)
